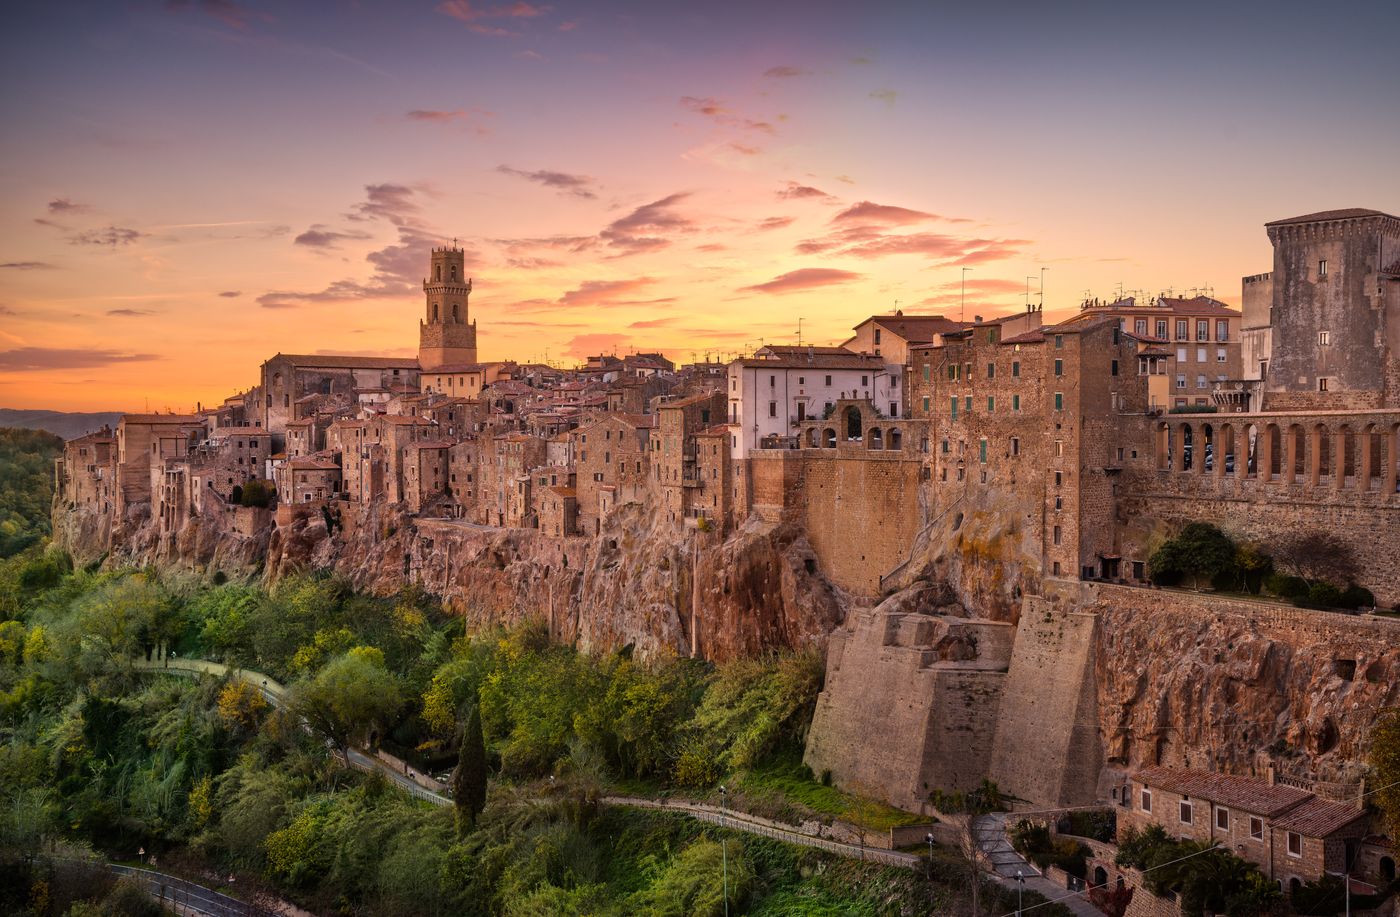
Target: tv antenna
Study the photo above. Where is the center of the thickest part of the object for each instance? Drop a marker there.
(962, 299)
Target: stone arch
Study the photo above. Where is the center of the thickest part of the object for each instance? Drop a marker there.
(1320, 461)
(896, 440)
(435, 311)
(1368, 464)
(437, 273)
(1225, 461)
(829, 438)
(812, 441)
(1387, 868)
(876, 440)
(1295, 460)
(1187, 447)
(1206, 460)
(1100, 877)
(853, 423)
(1164, 446)
(455, 316)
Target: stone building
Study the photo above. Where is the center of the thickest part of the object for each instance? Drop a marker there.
(308, 479)
(778, 388)
(688, 490)
(286, 378)
(446, 336)
(612, 463)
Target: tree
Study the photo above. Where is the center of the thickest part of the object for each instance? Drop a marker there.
(350, 694)
(970, 858)
(469, 777)
(1200, 552)
(1317, 557)
(1385, 762)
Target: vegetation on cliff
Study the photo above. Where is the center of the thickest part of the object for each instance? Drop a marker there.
(26, 487)
(205, 775)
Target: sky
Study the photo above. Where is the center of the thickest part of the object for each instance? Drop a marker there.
(189, 187)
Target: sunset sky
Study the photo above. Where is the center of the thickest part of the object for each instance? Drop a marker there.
(187, 188)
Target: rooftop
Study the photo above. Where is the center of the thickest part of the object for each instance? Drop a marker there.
(332, 361)
(1324, 216)
(1250, 794)
(1319, 817)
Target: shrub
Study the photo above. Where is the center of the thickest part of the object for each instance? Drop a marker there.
(1355, 596)
(1285, 586)
(1200, 552)
(258, 493)
(1321, 595)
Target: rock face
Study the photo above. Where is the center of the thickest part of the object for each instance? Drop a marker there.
(1238, 686)
(640, 581)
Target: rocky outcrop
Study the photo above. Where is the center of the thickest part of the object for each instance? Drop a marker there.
(1240, 686)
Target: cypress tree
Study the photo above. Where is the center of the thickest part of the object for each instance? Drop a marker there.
(469, 777)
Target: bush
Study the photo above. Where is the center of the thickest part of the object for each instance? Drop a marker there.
(1285, 586)
(1321, 595)
(1200, 552)
(1355, 596)
(258, 493)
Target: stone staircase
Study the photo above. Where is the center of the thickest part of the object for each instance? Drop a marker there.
(990, 834)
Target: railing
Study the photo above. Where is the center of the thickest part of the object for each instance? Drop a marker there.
(185, 896)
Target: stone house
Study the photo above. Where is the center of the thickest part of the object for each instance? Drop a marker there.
(308, 478)
(425, 473)
(611, 461)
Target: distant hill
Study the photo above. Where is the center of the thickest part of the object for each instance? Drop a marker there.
(59, 423)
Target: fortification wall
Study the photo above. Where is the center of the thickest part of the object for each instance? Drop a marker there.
(1046, 748)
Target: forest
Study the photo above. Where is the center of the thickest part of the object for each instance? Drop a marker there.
(26, 487)
(103, 761)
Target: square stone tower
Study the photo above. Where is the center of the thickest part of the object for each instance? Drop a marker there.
(445, 336)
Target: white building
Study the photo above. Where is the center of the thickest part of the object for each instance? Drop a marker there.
(779, 387)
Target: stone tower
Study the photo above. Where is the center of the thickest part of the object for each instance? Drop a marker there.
(445, 336)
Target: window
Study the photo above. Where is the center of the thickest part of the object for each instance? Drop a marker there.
(953, 371)
(1324, 338)
(801, 380)
(1322, 268)
(772, 409)
(1059, 401)
(991, 370)
(1015, 402)
(982, 450)
(1059, 342)
(991, 404)
(1222, 330)
(1200, 381)
(1200, 354)
(926, 372)
(945, 447)
(1295, 844)
(1162, 328)
(1056, 534)
(772, 381)
(1015, 445)
(967, 372)
(1059, 367)
(828, 381)
(1181, 380)
(864, 380)
(1059, 503)
(1016, 369)
(1181, 355)
(955, 407)
(1220, 355)
(1256, 828)
(1181, 329)
(1140, 326)
(1059, 450)
(1059, 478)
(1202, 329)
(925, 405)
(1113, 368)
(877, 335)
(1222, 819)
(1184, 811)
(967, 405)
(1055, 569)
(1322, 384)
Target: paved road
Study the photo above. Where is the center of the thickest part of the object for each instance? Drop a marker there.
(184, 896)
(275, 693)
(990, 832)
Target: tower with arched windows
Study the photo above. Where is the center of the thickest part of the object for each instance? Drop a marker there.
(446, 336)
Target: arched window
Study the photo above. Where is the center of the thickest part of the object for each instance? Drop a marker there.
(454, 312)
(829, 436)
(454, 272)
(435, 311)
(437, 272)
(852, 423)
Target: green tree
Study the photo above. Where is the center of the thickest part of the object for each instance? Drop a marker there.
(1200, 553)
(469, 777)
(348, 696)
(1385, 762)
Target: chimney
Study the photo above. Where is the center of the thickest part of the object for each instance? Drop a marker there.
(1270, 774)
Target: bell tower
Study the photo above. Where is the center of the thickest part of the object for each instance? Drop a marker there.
(445, 336)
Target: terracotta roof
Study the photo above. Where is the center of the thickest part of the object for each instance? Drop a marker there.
(162, 418)
(818, 361)
(1250, 794)
(1319, 817)
(451, 368)
(803, 350)
(331, 361)
(311, 463)
(919, 329)
(1028, 337)
(1348, 213)
(565, 491)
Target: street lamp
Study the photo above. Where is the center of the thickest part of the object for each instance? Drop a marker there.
(1020, 887)
(723, 847)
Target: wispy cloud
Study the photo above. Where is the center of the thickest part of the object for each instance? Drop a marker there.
(33, 359)
(775, 223)
(806, 278)
(482, 20)
(112, 236)
(867, 212)
(233, 15)
(130, 313)
(474, 118)
(565, 183)
(785, 72)
(26, 266)
(793, 191)
(606, 292)
(584, 346)
(231, 294)
(887, 96)
(717, 112)
(646, 228)
(319, 236)
(63, 205)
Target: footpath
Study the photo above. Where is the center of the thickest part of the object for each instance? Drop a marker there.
(989, 830)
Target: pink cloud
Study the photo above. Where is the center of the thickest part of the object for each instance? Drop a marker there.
(584, 346)
(715, 110)
(795, 191)
(785, 71)
(645, 228)
(477, 18)
(803, 279)
(866, 212)
(603, 292)
(775, 223)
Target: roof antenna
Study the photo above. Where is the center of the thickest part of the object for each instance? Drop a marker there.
(962, 299)
(799, 331)
(1041, 306)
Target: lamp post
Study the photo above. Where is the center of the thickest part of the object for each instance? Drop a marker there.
(1020, 887)
(723, 847)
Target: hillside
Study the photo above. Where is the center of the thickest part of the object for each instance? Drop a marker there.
(26, 487)
(59, 423)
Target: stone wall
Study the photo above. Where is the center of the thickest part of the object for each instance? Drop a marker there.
(1047, 748)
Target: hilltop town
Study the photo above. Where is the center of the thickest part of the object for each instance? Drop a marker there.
(964, 513)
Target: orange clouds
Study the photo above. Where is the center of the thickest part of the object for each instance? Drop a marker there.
(803, 279)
